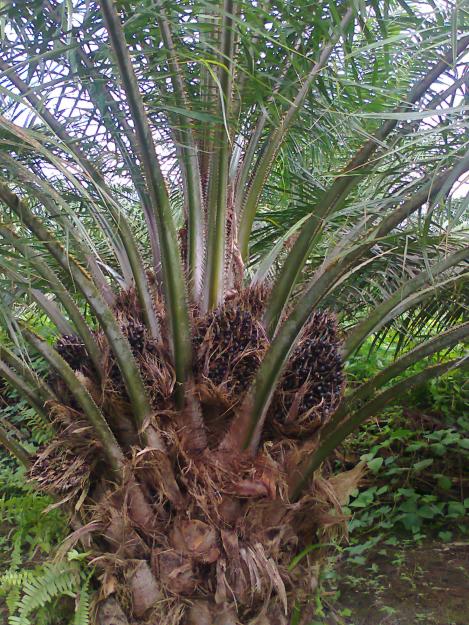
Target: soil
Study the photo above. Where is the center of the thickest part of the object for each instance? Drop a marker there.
(427, 585)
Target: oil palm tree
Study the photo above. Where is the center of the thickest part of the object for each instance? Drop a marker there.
(207, 208)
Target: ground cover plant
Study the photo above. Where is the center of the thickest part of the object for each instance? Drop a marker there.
(207, 209)
(408, 522)
(33, 587)
(418, 457)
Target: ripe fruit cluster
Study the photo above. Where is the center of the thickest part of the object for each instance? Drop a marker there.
(135, 333)
(312, 385)
(228, 346)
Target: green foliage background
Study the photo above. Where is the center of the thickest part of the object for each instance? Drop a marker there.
(35, 589)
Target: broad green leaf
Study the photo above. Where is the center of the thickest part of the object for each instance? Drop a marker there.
(422, 464)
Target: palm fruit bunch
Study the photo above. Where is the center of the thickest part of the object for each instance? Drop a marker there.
(228, 347)
(312, 384)
(135, 332)
(63, 464)
(72, 350)
(252, 299)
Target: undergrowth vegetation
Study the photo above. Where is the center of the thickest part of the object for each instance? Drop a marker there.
(35, 588)
(417, 454)
(414, 497)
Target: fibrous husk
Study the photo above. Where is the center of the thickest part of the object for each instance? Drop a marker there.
(122, 530)
(158, 374)
(59, 471)
(143, 587)
(176, 572)
(196, 539)
(63, 465)
(205, 613)
(343, 484)
(109, 612)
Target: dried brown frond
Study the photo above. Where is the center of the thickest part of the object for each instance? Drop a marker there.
(128, 305)
(251, 299)
(158, 374)
(58, 470)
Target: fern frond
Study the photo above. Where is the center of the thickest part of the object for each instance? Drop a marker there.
(28, 593)
(12, 599)
(82, 610)
(14, 579)
(40, 429)
(56, 580)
